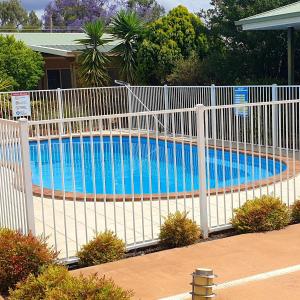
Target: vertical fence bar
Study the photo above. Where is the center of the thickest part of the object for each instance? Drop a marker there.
(274, 115)
(201, 168)
(166, 97)
(166, 104)
(129, 99)
(60, 110)
(24, 143)
(213, 111)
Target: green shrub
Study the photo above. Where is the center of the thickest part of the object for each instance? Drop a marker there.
(295, 212)
(21, 255)
(261, 214)
(56, 283)
(178, 230)
(105, 247)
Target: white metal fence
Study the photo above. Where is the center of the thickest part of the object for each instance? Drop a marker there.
(16, 207)
(85, 102)
(125, 172)
(254, 153)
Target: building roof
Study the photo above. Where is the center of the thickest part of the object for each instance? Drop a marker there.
(61, 44)
(276, 19)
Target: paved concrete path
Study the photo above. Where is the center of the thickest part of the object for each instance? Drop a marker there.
(167, 273)
(285, 287)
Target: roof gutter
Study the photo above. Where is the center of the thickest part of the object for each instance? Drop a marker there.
(258, 19)
(53, 51)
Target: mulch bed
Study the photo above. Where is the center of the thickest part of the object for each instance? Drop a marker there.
(156, 248)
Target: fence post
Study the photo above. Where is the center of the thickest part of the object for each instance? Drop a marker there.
(27, 180)
(213, 112)
(166, 103)
(166, 97)
(200, 108)
(274, 115)
(129, 99)
(60, 111)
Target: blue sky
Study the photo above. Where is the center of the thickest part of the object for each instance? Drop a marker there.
(193, 5)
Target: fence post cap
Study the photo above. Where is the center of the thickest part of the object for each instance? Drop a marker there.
(23, 120)
(200, 106)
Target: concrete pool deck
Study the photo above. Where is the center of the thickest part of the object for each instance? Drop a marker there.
(75, 222)
(168, 273)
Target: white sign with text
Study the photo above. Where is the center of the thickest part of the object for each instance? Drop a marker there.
(21, 104)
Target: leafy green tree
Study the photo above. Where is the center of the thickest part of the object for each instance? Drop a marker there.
(92, 62)
(20, 64)
(128, 28)
(147, 10)
(33, 21)
(186, 71)
(6, 83)
(238, 56)
(168, 40)
(12, 14)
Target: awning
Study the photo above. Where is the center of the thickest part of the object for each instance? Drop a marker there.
(282, 18)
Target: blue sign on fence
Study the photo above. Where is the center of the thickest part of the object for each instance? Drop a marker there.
(241, 96)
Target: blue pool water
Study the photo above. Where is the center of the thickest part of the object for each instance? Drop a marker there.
(166, 166)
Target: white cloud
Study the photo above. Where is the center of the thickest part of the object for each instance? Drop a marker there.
(39, 12)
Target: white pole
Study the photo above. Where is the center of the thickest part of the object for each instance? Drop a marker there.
(166, 103)
(60, 110)
(200, 109)
(129, 98)
(274, 115)
(213, 112)
(24, 141)
(166, 97)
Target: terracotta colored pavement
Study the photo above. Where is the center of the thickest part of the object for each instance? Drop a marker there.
(167, 273)
(285, 287)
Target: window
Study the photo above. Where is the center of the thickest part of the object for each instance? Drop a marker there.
(59, 79)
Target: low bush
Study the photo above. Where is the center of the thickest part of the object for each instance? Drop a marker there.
(56, 283)
(105, 247)
(295, 212)
(261, 214)
(178, 231)
(21, 255)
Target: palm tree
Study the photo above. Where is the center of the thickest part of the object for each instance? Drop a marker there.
(92, 61)
(128, 28)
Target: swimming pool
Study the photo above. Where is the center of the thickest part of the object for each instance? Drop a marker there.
(103, 166)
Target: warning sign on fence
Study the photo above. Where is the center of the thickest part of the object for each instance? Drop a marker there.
(241, 96)
(21, 104)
